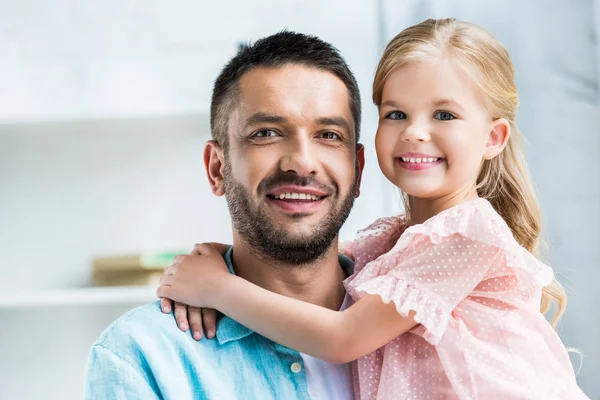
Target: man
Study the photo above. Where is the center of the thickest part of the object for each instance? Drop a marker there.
(285, 118)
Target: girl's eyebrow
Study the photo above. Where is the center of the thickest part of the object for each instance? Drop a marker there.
(447, 103)
(390, 103)
(436, 103)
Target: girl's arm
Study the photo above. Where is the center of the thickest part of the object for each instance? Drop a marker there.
(334, 336)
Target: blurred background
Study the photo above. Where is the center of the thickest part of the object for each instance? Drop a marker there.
(104, 114)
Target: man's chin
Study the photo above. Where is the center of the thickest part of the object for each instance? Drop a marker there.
(299, 227)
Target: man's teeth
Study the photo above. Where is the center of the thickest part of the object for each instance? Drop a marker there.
(296, 196)
(419, 160)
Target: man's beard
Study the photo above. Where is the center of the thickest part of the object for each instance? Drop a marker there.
(266, 238)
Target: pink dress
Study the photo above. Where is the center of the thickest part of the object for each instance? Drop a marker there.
(476, 293)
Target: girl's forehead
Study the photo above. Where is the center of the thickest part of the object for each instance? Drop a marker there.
(431, 81)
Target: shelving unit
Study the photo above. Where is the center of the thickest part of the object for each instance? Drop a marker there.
(81, 187)
(78, 297)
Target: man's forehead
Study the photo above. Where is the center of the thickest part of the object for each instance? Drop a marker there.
(294, 90)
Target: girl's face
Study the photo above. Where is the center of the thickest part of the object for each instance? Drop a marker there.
(434, 130)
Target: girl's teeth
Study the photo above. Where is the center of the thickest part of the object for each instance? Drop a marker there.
(419, 160)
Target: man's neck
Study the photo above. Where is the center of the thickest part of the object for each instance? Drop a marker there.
(319, 282)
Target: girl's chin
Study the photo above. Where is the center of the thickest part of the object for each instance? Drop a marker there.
(420, 192)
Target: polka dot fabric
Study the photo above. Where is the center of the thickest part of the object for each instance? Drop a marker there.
(476, 293)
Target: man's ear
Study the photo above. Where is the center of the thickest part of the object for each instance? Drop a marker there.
(499, 135)
(214, 163)
(360, 165)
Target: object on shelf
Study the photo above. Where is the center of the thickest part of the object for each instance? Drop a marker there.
(137, 270)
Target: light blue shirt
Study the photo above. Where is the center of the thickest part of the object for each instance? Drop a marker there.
(143, 355)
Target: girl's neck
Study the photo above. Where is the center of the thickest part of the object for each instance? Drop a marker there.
(423, 209)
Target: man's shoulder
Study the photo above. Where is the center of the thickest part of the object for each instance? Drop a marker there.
(133, 323)
(146, 354)
(146, 330)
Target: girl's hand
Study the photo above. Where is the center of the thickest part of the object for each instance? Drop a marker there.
(193, 279)
(195, 318)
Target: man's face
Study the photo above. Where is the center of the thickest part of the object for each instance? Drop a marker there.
(291, 172)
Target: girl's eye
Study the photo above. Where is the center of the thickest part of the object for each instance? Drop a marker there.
(330, 135)
(265, 133)
(396, 115)
(444, 116)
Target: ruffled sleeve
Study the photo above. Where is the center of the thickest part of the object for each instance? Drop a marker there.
(434, 266)
(376, 239)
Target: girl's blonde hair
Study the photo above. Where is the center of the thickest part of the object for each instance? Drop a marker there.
(504, 180)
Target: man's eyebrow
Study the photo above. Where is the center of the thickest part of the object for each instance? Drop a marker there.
(340, 122)
(262, 118)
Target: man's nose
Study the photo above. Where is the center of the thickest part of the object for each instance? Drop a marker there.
(300, 157)
(416, 131)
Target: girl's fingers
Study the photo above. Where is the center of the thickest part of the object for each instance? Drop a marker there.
(195, 319)
(221, 247)
(205, 249)
(195, 250)
(181, 316)
(164, 292)
(169, 270)
(209, 319)
(167, 280)
(166, 305)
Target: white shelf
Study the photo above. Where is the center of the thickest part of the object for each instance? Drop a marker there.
(78, 297)
(192, 121)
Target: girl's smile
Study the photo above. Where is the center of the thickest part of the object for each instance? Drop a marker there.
(418, 161)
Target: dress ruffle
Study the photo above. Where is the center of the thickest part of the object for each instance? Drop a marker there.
(430, 314)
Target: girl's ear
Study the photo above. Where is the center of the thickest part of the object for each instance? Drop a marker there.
(498, 138)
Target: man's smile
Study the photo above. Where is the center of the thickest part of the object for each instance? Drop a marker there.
(297, 199)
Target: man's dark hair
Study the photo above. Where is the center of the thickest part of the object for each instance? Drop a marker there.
(272, 52)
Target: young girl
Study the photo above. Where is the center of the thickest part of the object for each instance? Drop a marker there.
(447, 297)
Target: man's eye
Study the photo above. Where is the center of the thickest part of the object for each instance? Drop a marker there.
(265, 133)
(396, 115)
(330, 135)
(444, 116)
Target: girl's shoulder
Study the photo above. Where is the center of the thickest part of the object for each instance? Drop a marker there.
(476, 219)
(477, 222)
(473, 218)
